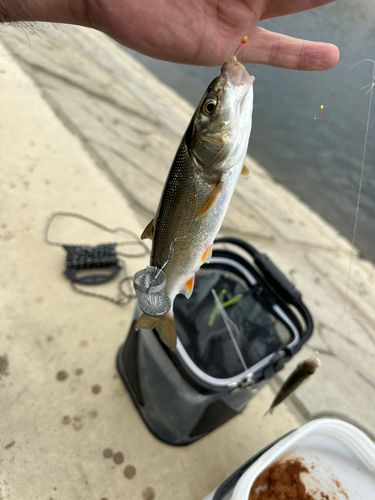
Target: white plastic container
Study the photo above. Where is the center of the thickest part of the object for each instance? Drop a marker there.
(342, 455)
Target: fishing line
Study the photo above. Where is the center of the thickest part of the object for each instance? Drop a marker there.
(229, 324)
(369, 91)
(371, 85)
(243, 41)
(360, 186)
(332, 329)
(171, 250)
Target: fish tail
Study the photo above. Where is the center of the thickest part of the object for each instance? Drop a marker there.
(164, 325)
(269, 411)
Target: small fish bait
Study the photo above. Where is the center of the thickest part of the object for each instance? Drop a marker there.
(300, 374)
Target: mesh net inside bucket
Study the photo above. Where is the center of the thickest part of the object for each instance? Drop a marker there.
(149, 286)
(258, 330)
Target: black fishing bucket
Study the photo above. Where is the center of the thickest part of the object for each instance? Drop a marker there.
(224, 354)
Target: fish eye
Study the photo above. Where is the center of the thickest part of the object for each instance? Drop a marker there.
(209, 106)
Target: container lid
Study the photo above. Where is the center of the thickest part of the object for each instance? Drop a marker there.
(340, 459)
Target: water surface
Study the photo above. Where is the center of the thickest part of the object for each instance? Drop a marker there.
(319, 161)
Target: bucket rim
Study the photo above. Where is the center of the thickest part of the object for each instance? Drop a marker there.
(246, 376)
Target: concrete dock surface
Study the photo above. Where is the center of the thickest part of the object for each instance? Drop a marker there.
(85, 128)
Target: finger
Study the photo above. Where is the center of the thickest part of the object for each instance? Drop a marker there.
(274, 49)
(278, 8)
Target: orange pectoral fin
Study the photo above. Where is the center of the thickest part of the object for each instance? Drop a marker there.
(217, 189)
(187, 289)
(207, 254)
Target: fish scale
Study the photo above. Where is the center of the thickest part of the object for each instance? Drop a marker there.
(186, 191)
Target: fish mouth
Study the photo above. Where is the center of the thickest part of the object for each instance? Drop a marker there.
(236, 74)
(316, 360)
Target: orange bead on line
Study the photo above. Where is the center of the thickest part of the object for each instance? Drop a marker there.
(243, 41)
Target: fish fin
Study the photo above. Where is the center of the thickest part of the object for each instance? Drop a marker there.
(187, 289)
(163, 324)
(207, 254)
(245, 171)
(207, 205)
(148, 231)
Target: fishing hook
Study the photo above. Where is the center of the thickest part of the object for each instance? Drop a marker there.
(371, 85)
(243, 41)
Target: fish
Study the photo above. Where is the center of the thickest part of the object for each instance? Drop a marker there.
(300, 374)
(199, 187)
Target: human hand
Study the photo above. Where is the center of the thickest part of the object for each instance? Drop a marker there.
(207, 32)
(200, 32)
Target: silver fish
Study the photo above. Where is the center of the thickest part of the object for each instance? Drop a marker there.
(300, 374)
(199, 187)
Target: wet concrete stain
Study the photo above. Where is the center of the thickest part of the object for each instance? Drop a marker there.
(83, 343)
(79, 371)
(96, 388)
(77, 422)
(148, 493)
(66, 420)
(93, 413)
(39, 300)
(49, 338)
(9, 445)
(120, 391)
(130, 471)
(6, 236)
(107, 452)
(62, 375)
(118, 457)
(4, 365)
